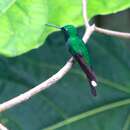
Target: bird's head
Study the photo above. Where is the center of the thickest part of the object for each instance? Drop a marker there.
(68, 30)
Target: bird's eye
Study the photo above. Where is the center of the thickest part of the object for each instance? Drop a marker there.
(63, 29)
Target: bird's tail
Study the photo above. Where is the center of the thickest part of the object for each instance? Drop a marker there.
(89, 73)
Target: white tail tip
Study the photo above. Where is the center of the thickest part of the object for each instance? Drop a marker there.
(93, 83)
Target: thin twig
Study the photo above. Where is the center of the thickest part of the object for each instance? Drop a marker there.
(2, 127)
(113, 33)
(84, 11)
(88, 33)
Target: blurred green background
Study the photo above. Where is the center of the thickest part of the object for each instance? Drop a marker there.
(70, 97)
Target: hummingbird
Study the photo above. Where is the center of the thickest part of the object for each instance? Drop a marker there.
(79, 51)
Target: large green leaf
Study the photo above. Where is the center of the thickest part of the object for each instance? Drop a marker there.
(21, 26)
(96, 7)
(69, 100)
(22, 23)
(5, 4)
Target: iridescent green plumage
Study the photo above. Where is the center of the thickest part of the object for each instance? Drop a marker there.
(76, 45)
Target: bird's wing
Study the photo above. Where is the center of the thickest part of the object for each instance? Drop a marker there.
(77, 46)
(88, 72)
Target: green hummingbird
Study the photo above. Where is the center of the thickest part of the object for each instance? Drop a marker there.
(79, 51)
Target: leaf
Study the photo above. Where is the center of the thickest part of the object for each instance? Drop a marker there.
(102, 7)
(63, 12)
(5, 4)
(22, 26)
(22, 23)
(69, 105)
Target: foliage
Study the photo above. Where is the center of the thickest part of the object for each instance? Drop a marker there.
(71, 96)
(22, 23)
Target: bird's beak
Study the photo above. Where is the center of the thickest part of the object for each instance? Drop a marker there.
(52, 25)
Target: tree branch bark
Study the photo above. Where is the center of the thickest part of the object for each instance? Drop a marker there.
(2, 127)
(112, 33)
(84, 12)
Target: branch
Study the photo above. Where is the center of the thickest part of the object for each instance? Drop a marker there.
(27, 95)
(2, 127)
(84, 11)
(100, 30)
(113, 33)
(97, 29)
